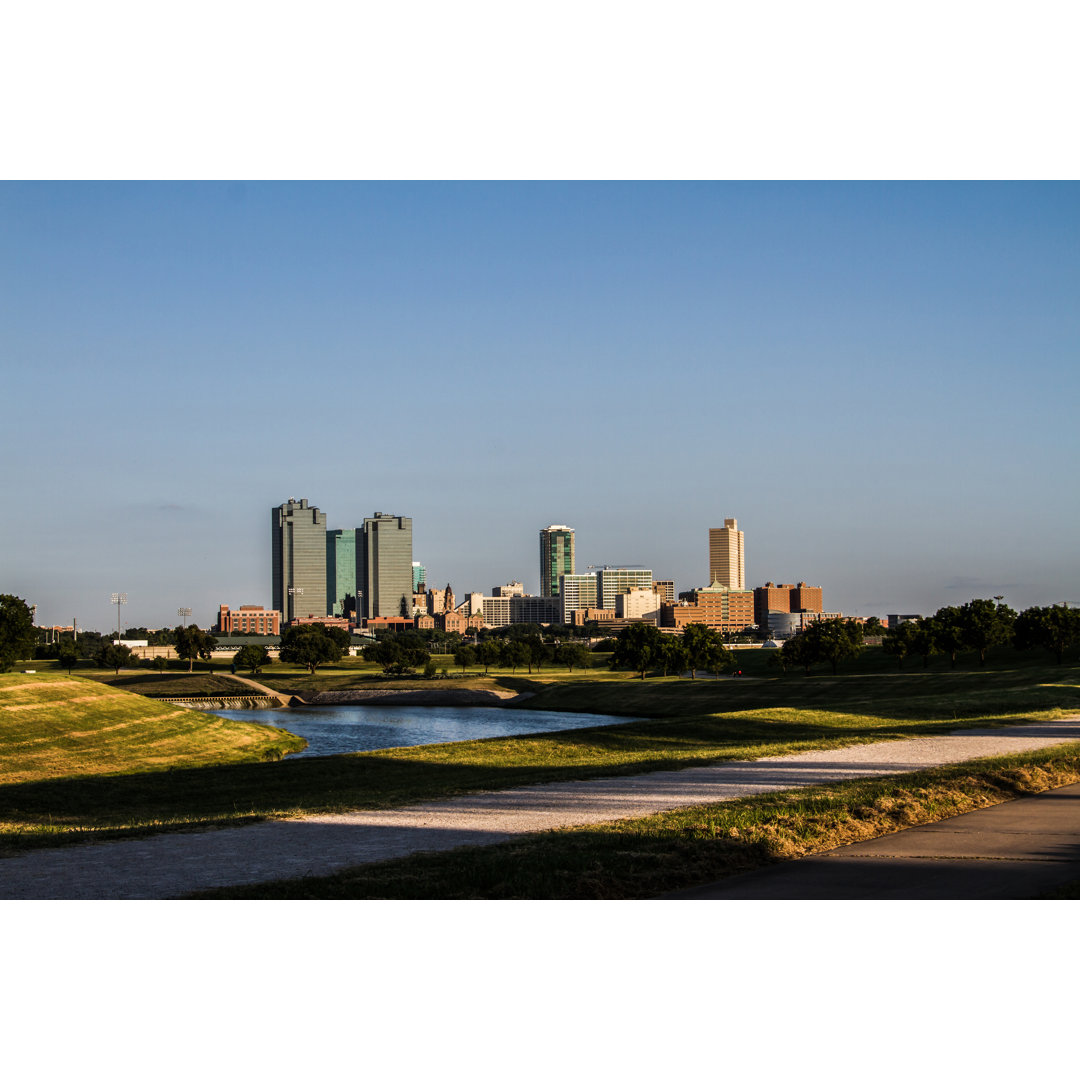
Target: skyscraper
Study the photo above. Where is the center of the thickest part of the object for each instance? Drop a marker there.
(298, 556)
(556, 557)
(340, 571)
(727, 564)
(384, 567)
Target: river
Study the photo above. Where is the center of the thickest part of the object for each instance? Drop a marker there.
(350, 729)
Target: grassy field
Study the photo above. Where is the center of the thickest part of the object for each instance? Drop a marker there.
(646, 857)
(51, 801)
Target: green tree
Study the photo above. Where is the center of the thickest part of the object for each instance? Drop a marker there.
(514, 654)
(673, 655)
(984, 624)
(114, 656)
(252, 658)
(834, 640)
(464, 655)
(873, 627)
(540, 654)
(191, 643)
(68, 654)
(160, 664)
(946, 632)
(704, 648)
(572, 655)
(17, 635)
(798, 650)
(487, 652)
(309, 645)
(900, 640)
(638, 647)
(1056, 629)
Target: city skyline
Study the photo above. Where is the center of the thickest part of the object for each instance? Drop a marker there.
(895, 363)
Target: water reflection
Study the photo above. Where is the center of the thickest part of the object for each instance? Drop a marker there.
(349, 729)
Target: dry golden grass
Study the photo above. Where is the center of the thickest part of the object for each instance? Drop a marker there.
(52, 726)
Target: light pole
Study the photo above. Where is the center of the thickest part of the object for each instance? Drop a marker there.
(292, 606)
(118, 598)
(184, 613)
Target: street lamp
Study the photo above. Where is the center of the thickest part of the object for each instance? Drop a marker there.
(118, 598)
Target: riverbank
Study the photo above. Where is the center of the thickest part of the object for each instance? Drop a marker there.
(439, 696)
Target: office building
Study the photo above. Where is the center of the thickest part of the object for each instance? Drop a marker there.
(298, 558)
(576, 592)
(341, 572)
(384, 567)
(727, 564)
(419, 577)
(717, 606)
(638, 603)
(612, 581)
(556, 557)
(785, 598)
(665, 590)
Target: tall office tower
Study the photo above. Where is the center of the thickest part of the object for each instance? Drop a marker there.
(576, 591)
(727, 564)
(298, 546)
(556, 557)
(384, 566)
(419, 576)
(340, 571)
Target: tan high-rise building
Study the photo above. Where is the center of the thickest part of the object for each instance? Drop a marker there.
(727, 563)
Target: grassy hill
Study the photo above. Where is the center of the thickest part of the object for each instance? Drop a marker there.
(56, 726)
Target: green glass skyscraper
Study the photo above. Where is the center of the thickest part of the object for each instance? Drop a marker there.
(556, 557)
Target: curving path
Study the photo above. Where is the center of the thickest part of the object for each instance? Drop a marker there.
(176, 864)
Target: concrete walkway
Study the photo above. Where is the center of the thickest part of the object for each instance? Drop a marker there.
(174, 864)
(1013, 851)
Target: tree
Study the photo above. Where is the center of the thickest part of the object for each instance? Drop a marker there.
(946, 632)
(114, 656)
(572, 655)
(984, 624)
(464, 655)
(798, 650)
(192, 643)
(832, 640)
(251, 658)
(309, 645)
(17, 635)
(704, 648)
(1053, 628)
(487, 652)
(900, 640)
(514, 654)
(638, 647)
(160, 664)
(873, 627)
(539, 654)
(68, 654)
(400, 654)
(673, 655)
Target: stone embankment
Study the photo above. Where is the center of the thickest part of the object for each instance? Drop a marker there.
(448, 696)
(262, 701)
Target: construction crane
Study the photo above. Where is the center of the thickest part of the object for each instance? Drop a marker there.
(618, 566)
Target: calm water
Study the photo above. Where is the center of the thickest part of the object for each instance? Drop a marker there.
(348, 729)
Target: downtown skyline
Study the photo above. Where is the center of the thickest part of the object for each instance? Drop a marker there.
(876, 380)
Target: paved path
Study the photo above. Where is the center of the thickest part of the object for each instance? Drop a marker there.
(1013, 851)
(174, 864)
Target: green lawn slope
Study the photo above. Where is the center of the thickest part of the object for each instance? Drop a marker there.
(57, 726)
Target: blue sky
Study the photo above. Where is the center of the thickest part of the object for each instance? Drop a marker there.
(878, 381)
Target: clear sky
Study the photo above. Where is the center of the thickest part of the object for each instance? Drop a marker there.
(879, 381)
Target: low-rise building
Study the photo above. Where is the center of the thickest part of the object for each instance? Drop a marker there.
(250, 619)
(716, 606)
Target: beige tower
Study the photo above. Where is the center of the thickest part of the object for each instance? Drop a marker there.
(727, 564)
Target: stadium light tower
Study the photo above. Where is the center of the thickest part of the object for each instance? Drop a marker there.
(118, 598)
(184, 613)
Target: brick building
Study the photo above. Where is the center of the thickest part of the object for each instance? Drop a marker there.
(250, 619)
(718, 607)
(785, 598)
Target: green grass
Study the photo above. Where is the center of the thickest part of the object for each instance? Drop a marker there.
(687, 723)
(646, 857)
